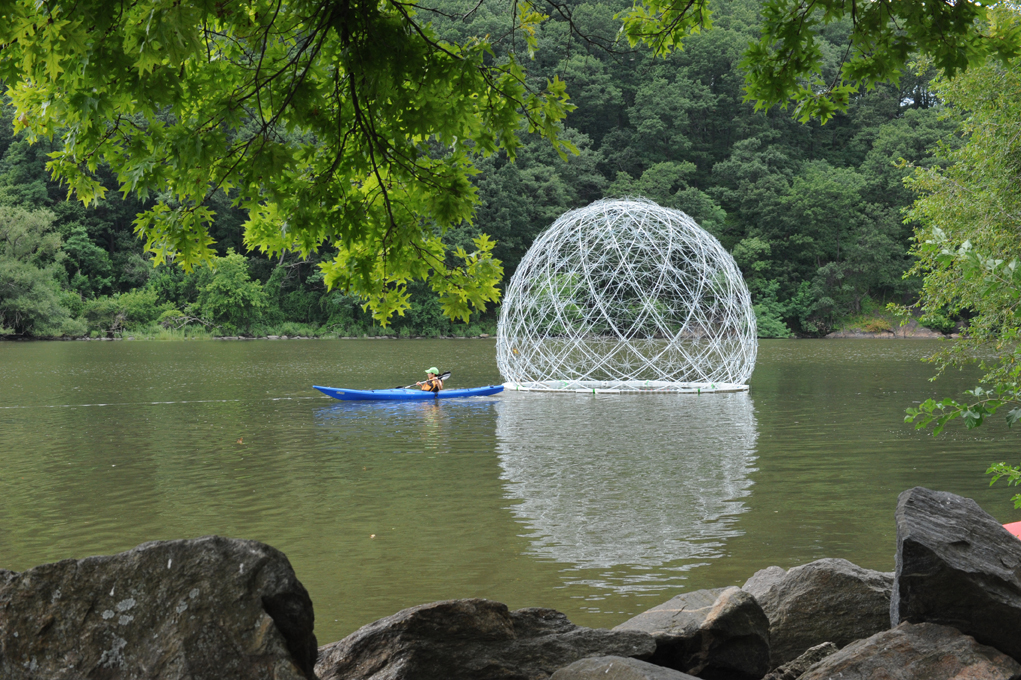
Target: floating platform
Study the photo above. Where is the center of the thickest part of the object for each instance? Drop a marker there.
(622, 387)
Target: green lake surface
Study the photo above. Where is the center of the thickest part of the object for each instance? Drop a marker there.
(599, 506)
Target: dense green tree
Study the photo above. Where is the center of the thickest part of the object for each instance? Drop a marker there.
(597, 94)
(769, 311)
(967, 243)
(667, 184)
(912, 137)
(227, 295)
(30, 300)
(969, 251)
(88, 265)
(131, 311)
(23, 178)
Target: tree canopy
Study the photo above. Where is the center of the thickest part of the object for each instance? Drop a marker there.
(356, 128)
(786, 62)
(967, 241)
(345, 123)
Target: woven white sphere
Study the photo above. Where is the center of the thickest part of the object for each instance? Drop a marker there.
(626, 295)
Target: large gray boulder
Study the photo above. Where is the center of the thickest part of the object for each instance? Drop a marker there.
(471, 639)
(957, 566)
(205, 608)
(924, 651)
(617, 668)
(718, 634)
(764, 586)
(829, 600)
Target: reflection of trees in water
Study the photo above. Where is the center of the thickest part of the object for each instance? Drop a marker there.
(651, 483)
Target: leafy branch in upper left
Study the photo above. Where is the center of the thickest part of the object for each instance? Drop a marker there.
(331, 122)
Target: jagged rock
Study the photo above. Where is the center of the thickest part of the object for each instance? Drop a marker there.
(957, 566)
(792, 670)
(716, 634)
(762, 586)
(617, 668)
(205, 608)
(471, 640)
(829, 600)
(924, 651)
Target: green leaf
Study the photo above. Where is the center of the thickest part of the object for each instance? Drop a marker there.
(1013, 416)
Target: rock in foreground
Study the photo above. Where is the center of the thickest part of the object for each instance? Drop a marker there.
(204, 608)
(719, 634)
(957, 566)
(471, 639)
(925, 651)
(764, 586)
(617, 668)
(792, 670)
(829, 600)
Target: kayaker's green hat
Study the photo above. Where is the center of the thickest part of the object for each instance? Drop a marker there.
(433, 370)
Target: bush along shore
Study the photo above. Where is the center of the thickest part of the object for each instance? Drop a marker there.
(226, 608)
(312, 335)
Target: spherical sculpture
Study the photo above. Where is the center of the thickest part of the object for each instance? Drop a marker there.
(625, 295)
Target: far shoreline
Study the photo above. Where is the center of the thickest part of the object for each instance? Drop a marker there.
(142, 338)
(836, 335)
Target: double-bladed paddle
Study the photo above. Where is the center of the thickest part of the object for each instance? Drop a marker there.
(441, 376)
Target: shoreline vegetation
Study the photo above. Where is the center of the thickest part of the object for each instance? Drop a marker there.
(291, 332)
(172, 336)
(125, 320)
(910, 331)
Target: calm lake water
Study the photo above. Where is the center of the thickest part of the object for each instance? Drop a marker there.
(600, 507)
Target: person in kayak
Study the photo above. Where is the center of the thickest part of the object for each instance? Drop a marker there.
(431, 382)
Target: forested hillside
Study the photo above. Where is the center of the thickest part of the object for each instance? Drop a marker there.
(812, 213)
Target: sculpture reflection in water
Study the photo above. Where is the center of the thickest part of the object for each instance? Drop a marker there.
(640, 489)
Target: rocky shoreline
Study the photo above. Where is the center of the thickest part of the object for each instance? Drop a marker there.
(225, 608)
(911, 330)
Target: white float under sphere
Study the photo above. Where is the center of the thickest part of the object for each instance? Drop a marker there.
(624, 295)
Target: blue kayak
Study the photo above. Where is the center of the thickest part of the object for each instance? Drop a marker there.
(406, 394)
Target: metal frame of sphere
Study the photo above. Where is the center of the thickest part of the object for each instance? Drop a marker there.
(626, 296)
